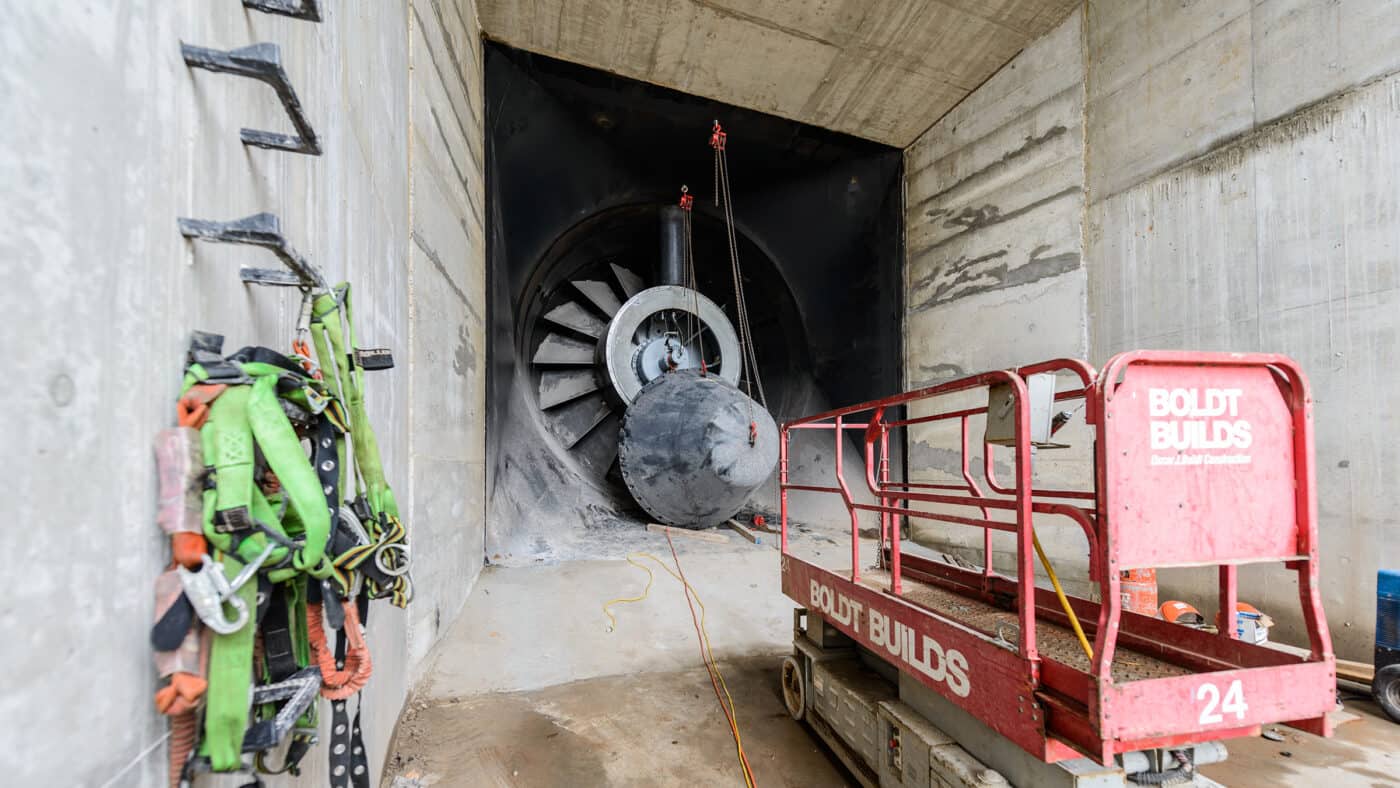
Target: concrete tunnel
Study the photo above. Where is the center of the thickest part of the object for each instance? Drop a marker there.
(923, 190)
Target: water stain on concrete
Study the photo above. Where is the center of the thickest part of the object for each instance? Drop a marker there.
(464, 357)
(965, 276)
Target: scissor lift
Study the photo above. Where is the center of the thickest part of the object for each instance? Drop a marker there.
(1200, 460)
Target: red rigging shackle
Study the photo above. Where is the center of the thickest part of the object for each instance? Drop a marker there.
(718, 137)
(687, 200)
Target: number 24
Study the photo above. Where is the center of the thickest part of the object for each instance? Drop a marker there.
(1233, 702)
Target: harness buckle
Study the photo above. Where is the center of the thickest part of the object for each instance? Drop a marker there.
(227, 521)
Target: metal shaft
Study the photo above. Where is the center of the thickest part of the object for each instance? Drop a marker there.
(671, 268)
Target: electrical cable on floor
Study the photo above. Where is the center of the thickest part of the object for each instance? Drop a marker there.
(706, 652)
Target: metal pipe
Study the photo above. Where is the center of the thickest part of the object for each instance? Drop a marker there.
(670, 269)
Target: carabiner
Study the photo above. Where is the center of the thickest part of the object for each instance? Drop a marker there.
(208, 590)
(249, 570)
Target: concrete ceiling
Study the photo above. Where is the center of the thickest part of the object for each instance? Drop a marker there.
(884, 70)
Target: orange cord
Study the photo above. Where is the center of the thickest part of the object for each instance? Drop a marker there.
(708, 658)
(178, 699)
(184, 731)
(339, 684)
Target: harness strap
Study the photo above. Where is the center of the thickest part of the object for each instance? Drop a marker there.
(332, 319)
(347, 750)
(230, 684)
(228, 448)
(282, 449)
(278, 650)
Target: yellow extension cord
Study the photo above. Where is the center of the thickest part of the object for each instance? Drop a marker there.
(705, 636)
(1064, 603)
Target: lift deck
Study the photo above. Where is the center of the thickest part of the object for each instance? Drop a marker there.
(1199, 460)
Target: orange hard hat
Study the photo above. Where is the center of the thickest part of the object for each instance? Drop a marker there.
(1178, 612)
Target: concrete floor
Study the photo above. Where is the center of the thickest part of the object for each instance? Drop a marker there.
(1363, 753)
(530, 687)
(665, 729)
(651, 729)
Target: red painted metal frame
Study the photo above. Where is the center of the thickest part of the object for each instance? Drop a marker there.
(1051, 709)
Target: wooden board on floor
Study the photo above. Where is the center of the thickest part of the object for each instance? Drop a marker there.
(747, 533)
(703, 536)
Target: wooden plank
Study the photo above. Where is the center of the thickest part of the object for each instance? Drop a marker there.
(1359, 672)
(703, 536)
(747, 533)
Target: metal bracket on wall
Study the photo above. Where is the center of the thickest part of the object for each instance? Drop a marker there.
(262, 62)
(260, 229)
(308, 10)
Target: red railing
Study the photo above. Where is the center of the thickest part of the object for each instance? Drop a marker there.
(1176, 481)
(893, 498)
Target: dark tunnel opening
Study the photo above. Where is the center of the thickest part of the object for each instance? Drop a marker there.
(579, 164)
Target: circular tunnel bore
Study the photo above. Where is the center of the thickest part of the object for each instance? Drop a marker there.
(579, 288)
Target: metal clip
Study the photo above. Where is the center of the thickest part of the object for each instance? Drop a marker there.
(304, 319)
(207, 591)
(392, 567)
(250, 569)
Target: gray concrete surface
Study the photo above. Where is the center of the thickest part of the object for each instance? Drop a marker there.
(993, 195)
(530, 627)
(882, 70)
(1364, 753)
(1238, 163)
(105, 138)
(648, 730)
(531, 689)
(995, 275)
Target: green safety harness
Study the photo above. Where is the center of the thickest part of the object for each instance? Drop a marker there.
(386, 575)
(281, 537)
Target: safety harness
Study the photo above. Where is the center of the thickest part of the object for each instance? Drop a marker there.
(267, 552)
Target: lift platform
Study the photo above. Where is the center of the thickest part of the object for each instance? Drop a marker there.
(1198, 460)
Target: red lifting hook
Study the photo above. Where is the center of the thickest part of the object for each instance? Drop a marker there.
(718, 137)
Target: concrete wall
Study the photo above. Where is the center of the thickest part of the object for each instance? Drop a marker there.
(106, 138)
(1239, 194)
(994, 196)
(878, 69)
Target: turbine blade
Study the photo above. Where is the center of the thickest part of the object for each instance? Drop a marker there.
(572, 316)
(575, 420)
(562, 350)
(556, 388)
(631, 283)
(601, 295)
